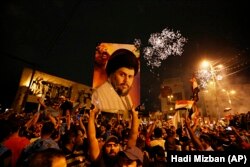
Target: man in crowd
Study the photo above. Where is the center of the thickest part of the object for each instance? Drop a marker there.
(202, 143)
(15, 142)
(5, 153)
(49, 157)
(131, 156)
(43, 143)
(108, 154)
(72, 146)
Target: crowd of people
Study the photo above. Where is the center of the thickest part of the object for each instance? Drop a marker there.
(93, 139)
(60, 135)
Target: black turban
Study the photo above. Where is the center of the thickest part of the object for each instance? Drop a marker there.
(122, 58)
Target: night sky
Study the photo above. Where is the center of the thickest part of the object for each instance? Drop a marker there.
(59, 37)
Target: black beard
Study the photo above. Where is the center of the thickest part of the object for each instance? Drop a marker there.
(120, 93)
(113, 82)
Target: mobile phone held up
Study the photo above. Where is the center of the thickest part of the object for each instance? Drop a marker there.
(78, 116)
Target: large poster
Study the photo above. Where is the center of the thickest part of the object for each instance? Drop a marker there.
(103, 54)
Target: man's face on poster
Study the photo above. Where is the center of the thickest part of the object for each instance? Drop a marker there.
(101, 55)
(101, 58)
(122, 80)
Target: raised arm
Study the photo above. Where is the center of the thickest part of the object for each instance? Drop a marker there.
(82, 126)
(68, 119)
(41, 102)
(35, 118)
(28, 124)
(134, 128)
(238, 137)
(194, 138)
(94, 149)
(52, 119)
(151, 128)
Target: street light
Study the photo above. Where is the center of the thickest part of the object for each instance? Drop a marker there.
(205, 64)
(170, 97)
(232, 92)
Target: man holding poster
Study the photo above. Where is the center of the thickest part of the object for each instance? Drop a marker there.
(113, 95)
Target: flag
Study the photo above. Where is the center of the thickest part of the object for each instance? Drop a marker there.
(183, 104)
(194, 113)
(176, 119)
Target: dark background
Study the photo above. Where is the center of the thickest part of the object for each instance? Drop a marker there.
(59, 37)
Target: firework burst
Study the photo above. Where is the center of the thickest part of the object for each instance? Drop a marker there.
(204, 76)
(161, 46)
